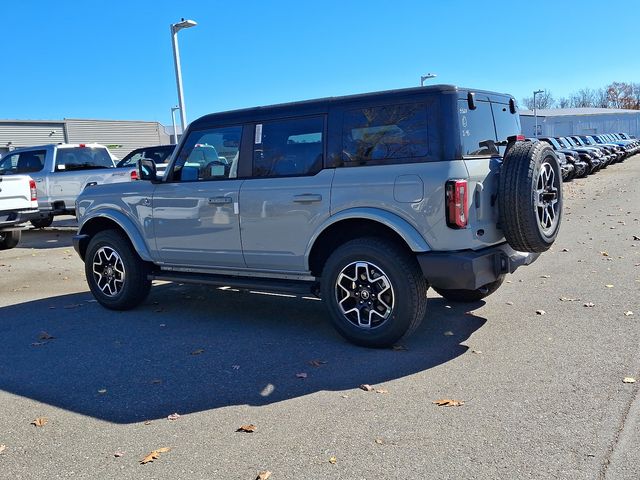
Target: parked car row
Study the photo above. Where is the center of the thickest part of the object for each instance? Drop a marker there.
(582, 155)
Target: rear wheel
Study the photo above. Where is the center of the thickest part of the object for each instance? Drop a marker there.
(116, 275)
(471, 295)
(42, 222)
(530, 196)
(9, 239)
(375, 292)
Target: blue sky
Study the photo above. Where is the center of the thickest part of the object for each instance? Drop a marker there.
(112, 59)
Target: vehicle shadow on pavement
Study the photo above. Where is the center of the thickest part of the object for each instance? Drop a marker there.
(50, 237)
(192, 348)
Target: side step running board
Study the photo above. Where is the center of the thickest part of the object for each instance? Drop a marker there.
(242, 283)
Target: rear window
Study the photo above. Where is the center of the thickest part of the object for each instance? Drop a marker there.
(23, 162)
(476, 126)
(385, 135)
(82, 158)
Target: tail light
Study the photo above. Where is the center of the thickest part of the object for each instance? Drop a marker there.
(134, 175)
(34, 190)
(457, 204)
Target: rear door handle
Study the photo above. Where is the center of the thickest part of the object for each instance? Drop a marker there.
(220, 200)
(307, 198)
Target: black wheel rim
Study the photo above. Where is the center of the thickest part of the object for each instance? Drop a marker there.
(364, 294)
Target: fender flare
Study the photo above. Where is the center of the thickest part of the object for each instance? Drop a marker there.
(127, 226)
(404, 229)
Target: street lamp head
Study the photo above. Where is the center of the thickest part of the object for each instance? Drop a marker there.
(538, 91)
(183, 24)
(426, 77)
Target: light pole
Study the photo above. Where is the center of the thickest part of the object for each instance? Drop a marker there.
(535, 111)
(426, 77)
(173, 121)
(175, 28)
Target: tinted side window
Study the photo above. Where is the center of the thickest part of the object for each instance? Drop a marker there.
(386, 134)
(210, 154)
(476, 126)
(288, 147)
(24, 162)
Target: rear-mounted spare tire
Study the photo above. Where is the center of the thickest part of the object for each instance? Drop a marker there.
(530, 196)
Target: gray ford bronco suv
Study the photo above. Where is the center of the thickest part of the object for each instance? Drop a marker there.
(365, 200)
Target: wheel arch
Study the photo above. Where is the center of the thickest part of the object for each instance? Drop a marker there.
(113, 221)
(358, 222)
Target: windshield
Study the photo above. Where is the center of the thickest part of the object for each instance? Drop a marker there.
(553, 142)
(82, 158)
(569, 142)
(159, 155)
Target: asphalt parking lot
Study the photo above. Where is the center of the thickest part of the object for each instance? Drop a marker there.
(543, 394)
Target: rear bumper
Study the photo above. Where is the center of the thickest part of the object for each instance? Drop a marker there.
(14, 220)
(469, 269)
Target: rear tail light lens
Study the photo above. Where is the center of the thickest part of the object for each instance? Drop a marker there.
(457, 203)
(34, 190)
(134, 175)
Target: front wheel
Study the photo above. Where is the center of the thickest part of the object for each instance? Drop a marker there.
(375, 292)
(459, 295)
(9, 239)
(116, 275)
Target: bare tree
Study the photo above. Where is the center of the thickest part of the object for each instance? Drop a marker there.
(583, 98)
(563, 102)
(601, 98)
(543, 100)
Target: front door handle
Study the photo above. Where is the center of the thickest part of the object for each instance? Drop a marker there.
(307, 198)
(220, 200)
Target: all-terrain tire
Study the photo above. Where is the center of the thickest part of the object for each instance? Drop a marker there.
(116, 275)
(530, 196)
(9, 239)
(42, 222)
(470, 295)
(387, 264)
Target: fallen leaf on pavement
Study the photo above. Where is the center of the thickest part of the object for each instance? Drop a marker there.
(636, 237)
(154, 455)
(147, 422)
(333, 460)
(629, 380)
(448, 403)
(263, 475)
(545, 276)
(628, 314)
(198, 351)
(317, 363)
(567, 299)
(479, 352)
(509, 303)
(589, 304)
(2, 448)
(173, 416)
(366, 387)
(40, 421)
(301, 375)
(382, 390)
(45, 336)
(247, 428)
(540, 312)
(609, 286)
(604, 254)
(379, 441)
(118, 454)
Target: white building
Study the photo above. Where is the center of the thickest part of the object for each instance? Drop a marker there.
(558, 122)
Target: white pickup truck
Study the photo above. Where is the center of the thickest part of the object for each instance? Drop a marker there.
(61, 172)
(18, 205)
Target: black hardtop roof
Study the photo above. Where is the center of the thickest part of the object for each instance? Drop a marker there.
(320, 105)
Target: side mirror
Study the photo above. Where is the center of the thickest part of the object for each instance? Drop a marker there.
(147, 170)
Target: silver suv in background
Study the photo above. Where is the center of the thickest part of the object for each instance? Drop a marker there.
(366, 200)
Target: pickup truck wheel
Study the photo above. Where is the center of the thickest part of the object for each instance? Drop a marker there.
(530, 196)
(375, 292)
(42, 222)
(115, 273)
(9, 239)
(471, 295)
